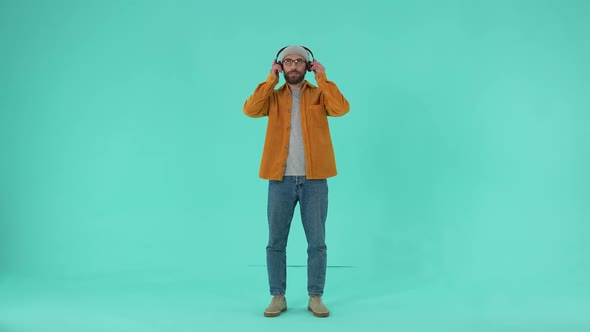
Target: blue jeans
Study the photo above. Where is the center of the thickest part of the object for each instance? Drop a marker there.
(283, 196)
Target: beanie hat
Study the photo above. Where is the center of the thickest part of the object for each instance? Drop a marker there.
(294, 49)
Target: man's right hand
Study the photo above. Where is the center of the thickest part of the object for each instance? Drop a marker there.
(276, 68)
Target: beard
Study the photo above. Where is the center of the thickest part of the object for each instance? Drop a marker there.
(294, 79)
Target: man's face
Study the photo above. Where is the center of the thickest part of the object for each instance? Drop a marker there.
(294, 68)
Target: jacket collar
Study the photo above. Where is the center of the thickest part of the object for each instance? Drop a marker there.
(305, 83)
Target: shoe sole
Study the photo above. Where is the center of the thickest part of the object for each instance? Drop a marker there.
(274, 314)
(319, 314)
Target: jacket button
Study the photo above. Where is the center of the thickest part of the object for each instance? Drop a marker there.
(289, 111)
(286, 146)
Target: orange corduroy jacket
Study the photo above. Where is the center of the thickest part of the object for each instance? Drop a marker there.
(316, 104)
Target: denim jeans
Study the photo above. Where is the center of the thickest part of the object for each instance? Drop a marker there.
(283, 196)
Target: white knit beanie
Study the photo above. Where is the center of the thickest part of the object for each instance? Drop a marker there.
(294, 49)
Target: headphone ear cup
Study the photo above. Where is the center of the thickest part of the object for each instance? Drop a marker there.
(280, 64)
(308, 65)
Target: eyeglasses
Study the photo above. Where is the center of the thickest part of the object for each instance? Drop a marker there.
(290, 62)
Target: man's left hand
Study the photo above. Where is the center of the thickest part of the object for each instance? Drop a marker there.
(317, 67)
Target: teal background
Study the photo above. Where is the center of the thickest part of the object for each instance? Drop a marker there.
(129, 193)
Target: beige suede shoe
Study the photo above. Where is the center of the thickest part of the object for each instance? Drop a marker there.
(277, 305)
(317, 307)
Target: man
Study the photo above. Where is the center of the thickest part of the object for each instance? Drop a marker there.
(297, 159)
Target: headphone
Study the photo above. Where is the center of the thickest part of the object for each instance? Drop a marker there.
(308, 66)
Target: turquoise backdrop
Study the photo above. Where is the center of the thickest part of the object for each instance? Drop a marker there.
(129, 189)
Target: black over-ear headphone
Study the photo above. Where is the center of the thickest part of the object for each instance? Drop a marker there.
(308, 62)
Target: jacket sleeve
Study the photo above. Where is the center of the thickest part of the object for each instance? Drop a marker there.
(334, 101)
(257, 104)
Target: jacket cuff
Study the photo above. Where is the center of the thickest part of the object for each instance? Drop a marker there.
(272, 79)
(321, 77)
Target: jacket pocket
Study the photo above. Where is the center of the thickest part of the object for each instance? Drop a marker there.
(318, 115)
